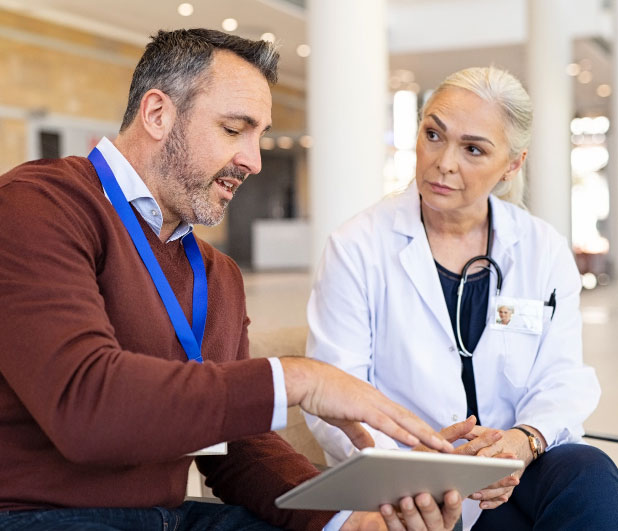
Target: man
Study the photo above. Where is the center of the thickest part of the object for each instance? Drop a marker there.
(98, 404)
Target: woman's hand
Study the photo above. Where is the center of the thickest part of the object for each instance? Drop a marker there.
(420, 513)
(513, 445)
(499, 492)
(478, 437)
(489, 442)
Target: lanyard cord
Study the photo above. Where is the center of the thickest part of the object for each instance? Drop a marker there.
(190, 337)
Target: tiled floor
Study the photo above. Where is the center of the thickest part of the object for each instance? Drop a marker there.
(278, 300)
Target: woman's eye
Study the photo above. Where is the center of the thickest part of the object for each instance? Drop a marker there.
(231, 132)
(432, 135)
(473, 150)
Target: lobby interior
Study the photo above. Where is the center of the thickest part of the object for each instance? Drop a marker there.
(54, 101)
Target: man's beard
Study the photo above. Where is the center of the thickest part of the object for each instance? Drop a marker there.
(188, 187)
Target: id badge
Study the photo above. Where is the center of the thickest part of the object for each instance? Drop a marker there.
(517, 315)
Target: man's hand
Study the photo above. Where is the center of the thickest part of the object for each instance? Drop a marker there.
(345, 401)
(420, 513)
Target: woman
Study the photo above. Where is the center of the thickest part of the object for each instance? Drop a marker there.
(385, 308)
(504, 314)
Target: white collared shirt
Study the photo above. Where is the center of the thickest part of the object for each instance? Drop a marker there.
(136, 191)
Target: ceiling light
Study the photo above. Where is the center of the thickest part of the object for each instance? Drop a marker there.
(604, 90)
(585, 77)
(589, 280)
(268, 37)
(285, 142)
(303, 50)
(185, 10)
(268, 143)
(573, 69)
(305, 141)
(229, 24)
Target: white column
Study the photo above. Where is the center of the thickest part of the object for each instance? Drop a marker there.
(347, 93)
(612, 141)
(549, 163)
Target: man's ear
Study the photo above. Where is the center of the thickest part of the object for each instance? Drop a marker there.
(157, 114)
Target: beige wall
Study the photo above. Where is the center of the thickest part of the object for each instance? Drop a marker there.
(45, 68)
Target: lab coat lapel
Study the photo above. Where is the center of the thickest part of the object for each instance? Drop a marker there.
(417, 260)
(506, 235)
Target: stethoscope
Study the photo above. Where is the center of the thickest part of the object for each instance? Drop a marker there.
(463, 351)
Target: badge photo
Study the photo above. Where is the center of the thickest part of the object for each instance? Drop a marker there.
(517, 315)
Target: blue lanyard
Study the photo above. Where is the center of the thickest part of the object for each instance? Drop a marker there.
(190, 337)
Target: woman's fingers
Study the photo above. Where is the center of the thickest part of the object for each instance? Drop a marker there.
(486, 440)
(460, 430)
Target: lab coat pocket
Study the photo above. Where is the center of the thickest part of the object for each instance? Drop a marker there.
(519, 353)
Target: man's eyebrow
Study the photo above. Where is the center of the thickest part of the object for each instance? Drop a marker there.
(247, 119)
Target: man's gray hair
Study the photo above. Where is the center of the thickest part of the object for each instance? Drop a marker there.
(176, 63)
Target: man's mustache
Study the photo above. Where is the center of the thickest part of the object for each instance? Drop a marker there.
(234, 173)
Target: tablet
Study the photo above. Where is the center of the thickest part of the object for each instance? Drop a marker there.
(373, 477)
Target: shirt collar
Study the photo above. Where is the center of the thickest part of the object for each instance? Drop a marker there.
(136, 191)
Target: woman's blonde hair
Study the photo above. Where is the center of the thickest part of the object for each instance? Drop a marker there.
(498, 86)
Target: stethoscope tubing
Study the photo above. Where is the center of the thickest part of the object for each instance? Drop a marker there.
(463, 351)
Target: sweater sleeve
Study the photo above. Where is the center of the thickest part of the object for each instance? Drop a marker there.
(98, 403)
(255, 472)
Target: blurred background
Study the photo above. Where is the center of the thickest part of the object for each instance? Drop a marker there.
(353, 75)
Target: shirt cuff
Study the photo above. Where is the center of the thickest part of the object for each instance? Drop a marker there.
(280, 408)
(337, 521)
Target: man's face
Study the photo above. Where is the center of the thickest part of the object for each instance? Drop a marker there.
(215, 145)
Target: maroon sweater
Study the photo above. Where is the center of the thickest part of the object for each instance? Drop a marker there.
(97, 402)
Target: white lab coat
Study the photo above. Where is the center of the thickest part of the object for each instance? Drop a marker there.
(377, 311)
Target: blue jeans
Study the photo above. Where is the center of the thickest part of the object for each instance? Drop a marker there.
(190, 516)
(573, 487)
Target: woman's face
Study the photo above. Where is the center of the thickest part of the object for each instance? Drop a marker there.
(462, 152)
(505, 314)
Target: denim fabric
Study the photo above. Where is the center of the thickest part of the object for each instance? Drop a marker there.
(190, 516)
(573, 487)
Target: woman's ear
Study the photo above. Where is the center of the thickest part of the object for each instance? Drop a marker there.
(515, 165)
(157, 114)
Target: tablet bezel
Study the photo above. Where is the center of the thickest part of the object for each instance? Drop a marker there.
(373, 476)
